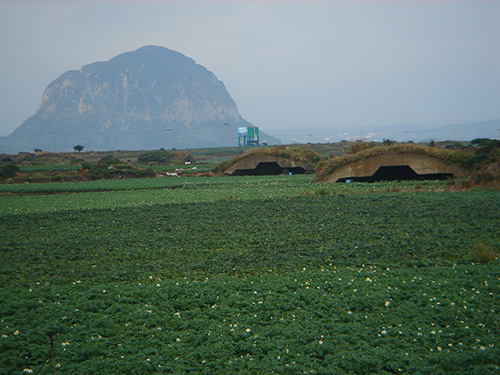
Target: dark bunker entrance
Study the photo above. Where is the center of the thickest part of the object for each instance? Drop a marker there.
(268, 168)
(397, 173)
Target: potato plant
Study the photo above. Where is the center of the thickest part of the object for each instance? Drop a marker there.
(250, 275)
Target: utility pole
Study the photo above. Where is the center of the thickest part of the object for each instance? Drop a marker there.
(168, 132)
(227, 130)
(54, 139)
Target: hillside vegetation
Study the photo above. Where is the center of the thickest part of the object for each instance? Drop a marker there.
(479, 157)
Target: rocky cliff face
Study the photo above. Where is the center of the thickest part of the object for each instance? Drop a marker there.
(150, 98)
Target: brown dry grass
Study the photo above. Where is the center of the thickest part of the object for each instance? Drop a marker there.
(482, 253)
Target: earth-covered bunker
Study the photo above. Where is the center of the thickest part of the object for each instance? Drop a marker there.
(391, 167)
(272, 161)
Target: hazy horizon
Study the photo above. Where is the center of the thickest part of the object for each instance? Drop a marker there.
(287, 64)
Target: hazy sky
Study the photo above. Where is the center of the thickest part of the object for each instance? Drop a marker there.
(297, 64)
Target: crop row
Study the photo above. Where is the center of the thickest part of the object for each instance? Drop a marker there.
(188, 239)
(345, 320)
(145, 183)
(249, 275)
(141, 192)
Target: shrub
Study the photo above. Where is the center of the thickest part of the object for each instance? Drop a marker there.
(322, 191)
(7, 171)
(164, 157)
(357, 147)
(481, 253)
(110, 167)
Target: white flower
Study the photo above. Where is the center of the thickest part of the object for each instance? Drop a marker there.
(16, 332)
(28, 370)
(387, 303)
(248, 330)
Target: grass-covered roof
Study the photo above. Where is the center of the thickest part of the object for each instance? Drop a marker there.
(311, 158)
(459, 157)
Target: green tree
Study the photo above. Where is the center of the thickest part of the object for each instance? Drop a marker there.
(78, 148)
(7, 171)
(487, 150)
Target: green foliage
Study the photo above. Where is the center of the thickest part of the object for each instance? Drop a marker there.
(415, 229)
(485, 164)
(335, 320)
(164, 157)
(27, 158)
(245, 275)
(9, 170)
(181, 168)
(487, 150)
(133, 192)
(110, 167)
(47, 168)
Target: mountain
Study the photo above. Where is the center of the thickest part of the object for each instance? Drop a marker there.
(146, 99)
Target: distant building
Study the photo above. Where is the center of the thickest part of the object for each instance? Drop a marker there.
(249, 135)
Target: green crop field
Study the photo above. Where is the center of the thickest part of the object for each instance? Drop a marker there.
(251, 275)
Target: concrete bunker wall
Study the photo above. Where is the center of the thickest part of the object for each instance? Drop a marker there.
(395, 167)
